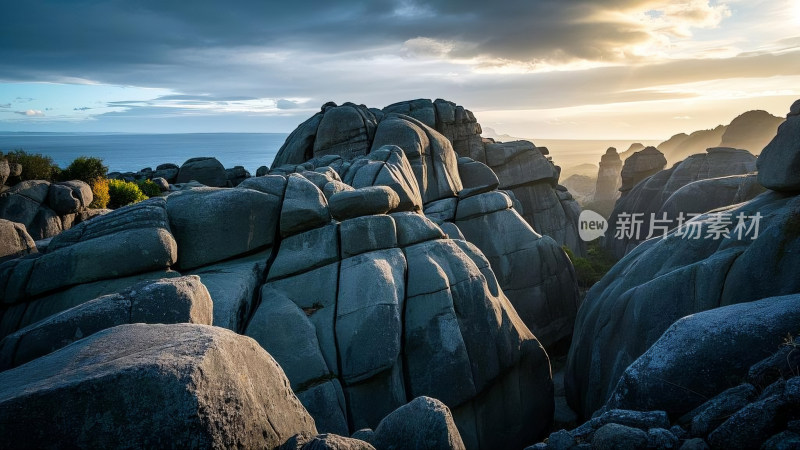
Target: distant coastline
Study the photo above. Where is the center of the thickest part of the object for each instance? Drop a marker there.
(124, 152)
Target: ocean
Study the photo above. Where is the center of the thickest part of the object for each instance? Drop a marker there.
(133, 152)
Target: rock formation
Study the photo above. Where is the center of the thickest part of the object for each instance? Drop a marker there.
(152, 386)
(353, 273)
(779, 166)
(608, 177)
(639, 166)
(520, 166)
(46, 209)
(745, 253)
(652, 197)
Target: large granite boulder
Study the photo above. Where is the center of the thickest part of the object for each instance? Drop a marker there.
(639, 166)
(14, 240)
(532, 269)
(422, 423)
(779, 163)
(211, 225)
(152, 386)
(345, 130)
(168, 300)
(731, 256)
(69, 197)
(699, 355)
(647, 199)
(129, 241)
(429, 153)
(204, 170)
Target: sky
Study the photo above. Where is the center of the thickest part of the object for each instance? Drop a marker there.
(577, 69)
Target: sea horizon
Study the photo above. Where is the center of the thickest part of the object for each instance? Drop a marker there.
(134, 151)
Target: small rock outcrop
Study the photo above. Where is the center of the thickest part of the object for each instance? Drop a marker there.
(204, 170)
(639, 166)
(608, 177)
(46, 209)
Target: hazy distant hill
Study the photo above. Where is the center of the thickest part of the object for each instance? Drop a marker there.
(492, 134)
(588, 170)
(751, 131)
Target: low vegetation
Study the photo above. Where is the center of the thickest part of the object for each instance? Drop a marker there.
(149, 188)
(123, 193)
(593, 267)
(34, 165)
(89, 169)
(100, 193)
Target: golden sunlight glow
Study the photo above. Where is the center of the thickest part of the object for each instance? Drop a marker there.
(796, 11)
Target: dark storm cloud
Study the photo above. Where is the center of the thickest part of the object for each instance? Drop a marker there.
(117, 40)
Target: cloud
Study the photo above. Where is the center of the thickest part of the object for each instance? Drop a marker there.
(83, 108)
(6, 105)
(30, 113)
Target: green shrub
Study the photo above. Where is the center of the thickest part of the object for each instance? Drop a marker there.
(149, 188)
(35, 166)
(123, 193)
(101, 193)
(85, 168)
(593, 267)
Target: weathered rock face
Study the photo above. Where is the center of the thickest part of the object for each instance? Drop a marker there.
(779, 163)
(533, 270)
(358, 316)
(639, 166)
(169, 300)
(662, 280)
(46, 209)
(608, 177)
(347, 131)
(424, 419)
(427, 131)
(211, 225)
(233, 286)
(14, 240)
(198, 385)
(125, 242)
(652, 197)
(699, 355)
(205, 170)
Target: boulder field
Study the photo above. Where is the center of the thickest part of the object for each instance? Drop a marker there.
(359, 299)
(700, 326)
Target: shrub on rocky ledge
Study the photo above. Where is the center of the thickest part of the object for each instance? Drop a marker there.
(35, 166)
(123, 193)
(100, 193)
(85, 168)
(149, 188)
